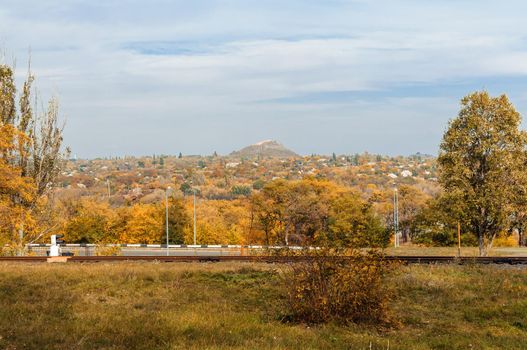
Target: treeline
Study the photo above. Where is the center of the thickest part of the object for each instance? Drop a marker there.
(283, 212)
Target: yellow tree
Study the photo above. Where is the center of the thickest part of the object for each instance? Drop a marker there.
(16, 191)
(143, 223)
(37, 154)
(482, 163)
(90, 221)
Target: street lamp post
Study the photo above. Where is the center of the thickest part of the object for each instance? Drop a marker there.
(194, 190)
(395, 217)
(166, 213)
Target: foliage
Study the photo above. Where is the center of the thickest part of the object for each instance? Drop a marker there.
(16, 191)
(90, 222)
(313, 211)
(143, 223)
(219, 222)
(103, 250)
(504, 240)
(330, 287)
(178, 221)
(482, 163)
(35, 152)
(241, 190)
(186, 188)
(436, 224)
(258, 184)
(352, 223)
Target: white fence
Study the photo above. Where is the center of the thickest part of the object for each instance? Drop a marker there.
(154, 249)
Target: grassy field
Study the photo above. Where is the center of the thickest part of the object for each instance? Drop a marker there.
(239, 306)
(453, 251)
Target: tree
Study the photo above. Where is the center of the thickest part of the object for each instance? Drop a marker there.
(313, 211)
(436, 223)
(90, 222)
(352, 223)
(143, 224)
(16, 191)
(410, 201)
(186, 188)
(482, 163)
(240, 191)
(178, 220)
(37, 153)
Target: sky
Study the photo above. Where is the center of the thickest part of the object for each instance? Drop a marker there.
(169, 76)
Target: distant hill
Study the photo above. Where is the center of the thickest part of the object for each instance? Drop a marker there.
(267, 148)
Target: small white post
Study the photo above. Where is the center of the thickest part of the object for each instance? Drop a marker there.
(54, 250)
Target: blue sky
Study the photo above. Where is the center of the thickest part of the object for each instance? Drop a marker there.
(160, 76)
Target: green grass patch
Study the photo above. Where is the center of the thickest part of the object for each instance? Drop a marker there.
(238, 306)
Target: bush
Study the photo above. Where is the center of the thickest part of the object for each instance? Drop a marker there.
(103, 250)
(504, 240)
(345, 289)
(240, 190)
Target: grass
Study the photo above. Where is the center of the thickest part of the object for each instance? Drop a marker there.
(453, 251)
(238, 306)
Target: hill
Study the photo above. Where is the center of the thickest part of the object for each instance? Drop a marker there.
(267, 148)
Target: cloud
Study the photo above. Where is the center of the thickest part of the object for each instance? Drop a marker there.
(211, 75)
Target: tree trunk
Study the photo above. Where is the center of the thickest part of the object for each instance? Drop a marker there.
(482, 248)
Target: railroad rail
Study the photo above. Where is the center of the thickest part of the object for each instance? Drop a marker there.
(276, 259)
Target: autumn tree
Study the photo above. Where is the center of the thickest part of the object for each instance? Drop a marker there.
(17, 192)
(312, 211)
(436, 223)
(141, 223)
(90, 221)
(178, 220)
(482, 163)
(38, 151)
(410, 202)
(219, 222)
(268, 207)
(352, 223)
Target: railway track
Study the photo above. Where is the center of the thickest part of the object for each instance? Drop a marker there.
(276, 259)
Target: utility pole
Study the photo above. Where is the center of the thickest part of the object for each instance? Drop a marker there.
(458, 239)
(395, 217)
(108, 184)
(166, 213)
(194, 190)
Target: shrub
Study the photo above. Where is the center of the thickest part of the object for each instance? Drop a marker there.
(240, 190)
(504, 240)
(327, 286)
(103, 250)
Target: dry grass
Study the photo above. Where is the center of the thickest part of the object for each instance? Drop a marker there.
(453, 251)
(235, 306)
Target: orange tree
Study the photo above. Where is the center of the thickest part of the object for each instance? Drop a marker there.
(312, 211)
(16, 191)
(90, 221)
(34, 149)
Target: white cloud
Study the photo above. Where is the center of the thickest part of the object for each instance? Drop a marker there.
(262, 51)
